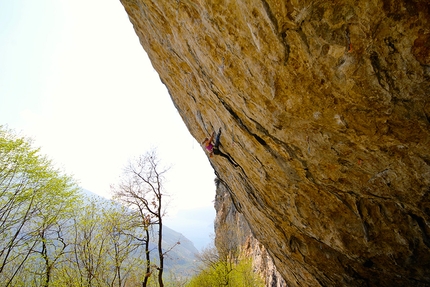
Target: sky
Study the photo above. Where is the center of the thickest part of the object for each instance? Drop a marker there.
(75, 79)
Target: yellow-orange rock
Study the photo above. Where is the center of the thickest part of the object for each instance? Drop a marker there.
(325, 113)
(233, 236)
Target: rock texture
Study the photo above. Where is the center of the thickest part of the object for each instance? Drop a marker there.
(324, 107)
(234, 234)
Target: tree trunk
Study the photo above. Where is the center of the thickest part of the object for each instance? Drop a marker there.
(44, 253)
(148, 259)
(160, 248)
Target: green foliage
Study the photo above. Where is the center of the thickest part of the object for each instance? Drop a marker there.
(35, 200)
(223, 273)
(50, 237)
(102, 249)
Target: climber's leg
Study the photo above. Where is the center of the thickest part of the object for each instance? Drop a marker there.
(217, 139)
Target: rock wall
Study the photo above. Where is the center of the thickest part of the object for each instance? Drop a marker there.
(324, 107)
(231, 227)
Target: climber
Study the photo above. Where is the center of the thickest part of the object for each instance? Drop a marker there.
(212, 148)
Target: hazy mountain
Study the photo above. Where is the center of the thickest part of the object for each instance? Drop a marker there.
(197, 224)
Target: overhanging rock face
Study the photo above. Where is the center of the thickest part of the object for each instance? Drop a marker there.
(324, 107)
(234, 237)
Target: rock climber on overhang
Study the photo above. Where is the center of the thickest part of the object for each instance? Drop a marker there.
(212, 148)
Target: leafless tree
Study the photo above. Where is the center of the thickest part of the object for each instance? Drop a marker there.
(141, 188)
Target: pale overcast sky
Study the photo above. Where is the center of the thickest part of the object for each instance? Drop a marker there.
(74, 77)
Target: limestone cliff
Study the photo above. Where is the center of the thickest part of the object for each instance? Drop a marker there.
(235, 237)
(325, 112)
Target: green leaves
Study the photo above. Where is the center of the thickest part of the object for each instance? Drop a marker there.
(50, 237)
(222, 273)
(35, 199)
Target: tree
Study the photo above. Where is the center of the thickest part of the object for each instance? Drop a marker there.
(90, 244)
(220, 271)
(141, 188)
(122, 232)
(102, 249)
(34, 201)
(217, 265)
(54, 209)
(222, 265)
(141, 219)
